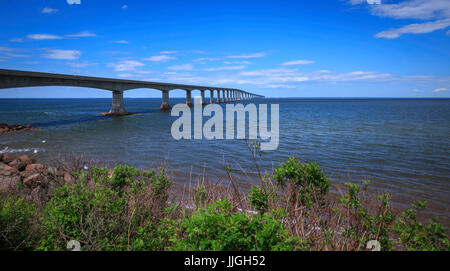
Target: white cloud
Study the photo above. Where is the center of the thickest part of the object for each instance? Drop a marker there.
(183, 67)
(120, 41)
(81, 65)
(417, 90)
(159, 58)
(49, 10)
(16, 40)
(44, 37)
(124, 6)
(168, 52)
(126, 65)
(82, 35)
(297, 62)
(414, 29)
(237, 62)
(62, 54)
(254, 55)
(71, 2)
(414, 9)
(223, 68)
(435, 12)
(440, 89)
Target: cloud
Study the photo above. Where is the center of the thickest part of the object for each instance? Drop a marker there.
(297, 62)
(254, 55)
(44, 37)
(76, 2)
(62, 54)
(16, 40)
(440, 89)
(435, 12)
(414, 29)
(417, 90)
(81, 65)
(183, 67)
(120, 41)
(82, 35)
(225, 68)
(124, 6)
(159, 58)
(168, 52)
(126, 65)
(414, 9)
(49, 10)
(237, 62)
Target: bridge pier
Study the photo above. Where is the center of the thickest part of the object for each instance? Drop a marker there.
(223, 96)
(117, 107)
(188, 98)
(218, 96)
(165, 100)
(211, 96)
(203, 96)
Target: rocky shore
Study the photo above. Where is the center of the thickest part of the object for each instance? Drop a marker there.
(6, 128)
(36, 181)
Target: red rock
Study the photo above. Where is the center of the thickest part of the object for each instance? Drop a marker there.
(33, 180)
(7, 183)
(18, 164)
(6, 170)
(27, 159)
(8, 158)
(34, 167)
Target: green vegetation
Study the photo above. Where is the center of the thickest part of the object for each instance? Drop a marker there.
(130, 209)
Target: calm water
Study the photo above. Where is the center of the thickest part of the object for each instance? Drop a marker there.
(401, 145)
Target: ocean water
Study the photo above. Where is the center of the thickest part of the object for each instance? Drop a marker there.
(401, 145)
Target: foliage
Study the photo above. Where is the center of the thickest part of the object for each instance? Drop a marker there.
(308, 178)
(218, 228)
(17, 231)
(413, 235)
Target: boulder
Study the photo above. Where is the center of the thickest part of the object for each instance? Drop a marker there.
(33, 180)
(9, 183)
(8, 158)
(18, 164)
(68, 178)
(34, 167)
(27, 159)
(6, 170)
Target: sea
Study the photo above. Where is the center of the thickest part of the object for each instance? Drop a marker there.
(401, 145)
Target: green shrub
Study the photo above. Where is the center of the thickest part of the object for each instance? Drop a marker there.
(309, 179)
(413, 235)
(363, 226)
(259, 199)
(218, 228)
(17, 228)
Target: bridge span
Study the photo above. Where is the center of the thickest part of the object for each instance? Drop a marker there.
(17, 79)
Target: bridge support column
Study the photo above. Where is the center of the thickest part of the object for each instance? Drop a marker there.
(165, 100)
(223, 96)
(203, 96)
(218, 96)
(188, 98)
(117, 107)
(228, 96)
(211, 96)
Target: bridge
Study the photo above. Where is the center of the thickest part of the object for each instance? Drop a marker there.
(18, 79)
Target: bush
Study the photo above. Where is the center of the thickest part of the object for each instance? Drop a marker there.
(413, 235)
(17, 227)
(310, 181)
(107, 213)
(218, 228)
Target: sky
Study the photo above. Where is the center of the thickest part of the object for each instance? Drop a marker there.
(299, 48)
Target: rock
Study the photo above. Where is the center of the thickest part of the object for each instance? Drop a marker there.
(9, 183)
(27, 159)
(8, 158)
(18, 164)
(6, 170)
(110, 172)
(34, 167)
(33, 180)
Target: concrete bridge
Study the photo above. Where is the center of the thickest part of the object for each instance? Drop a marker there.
(17, 79)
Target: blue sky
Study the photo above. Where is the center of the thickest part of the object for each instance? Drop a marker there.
(341, 48)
